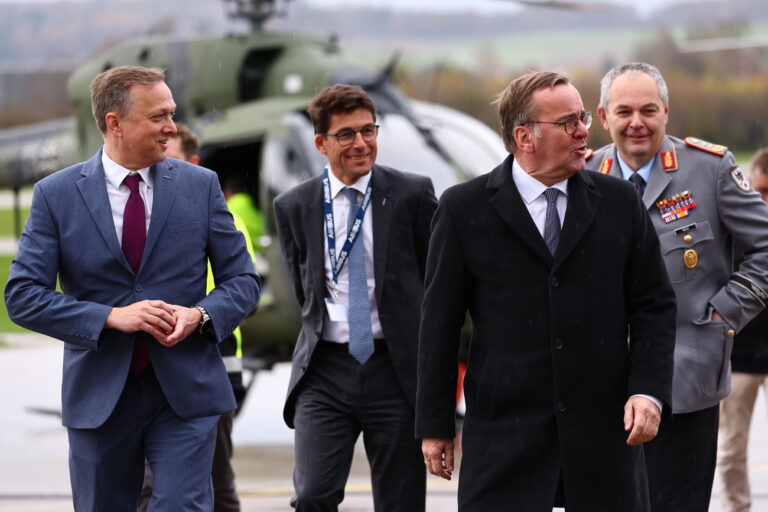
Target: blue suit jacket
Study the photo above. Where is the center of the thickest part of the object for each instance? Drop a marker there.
(70, 234)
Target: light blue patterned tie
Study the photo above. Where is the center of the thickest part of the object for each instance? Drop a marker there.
(359, 312)
(552, 220)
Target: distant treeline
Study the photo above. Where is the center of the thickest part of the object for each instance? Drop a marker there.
(721, 97)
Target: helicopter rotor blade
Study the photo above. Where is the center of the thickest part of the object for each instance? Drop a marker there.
(565, 4)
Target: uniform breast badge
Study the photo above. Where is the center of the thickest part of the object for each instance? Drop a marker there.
(676, 206)
(690, 258)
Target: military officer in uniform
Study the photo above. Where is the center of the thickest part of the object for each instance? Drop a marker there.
(700, 204)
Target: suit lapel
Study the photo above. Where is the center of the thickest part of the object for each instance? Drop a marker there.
(583, 201)
(314, 231)
(383, 203)
(93, 190)
(508, 203)
(165, 182)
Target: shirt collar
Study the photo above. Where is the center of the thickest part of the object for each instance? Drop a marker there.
(337, 185)
(116, 173)
(529, 187)
(644, 171)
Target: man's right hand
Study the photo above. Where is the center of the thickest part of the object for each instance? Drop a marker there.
(154, 317)
(438, 456)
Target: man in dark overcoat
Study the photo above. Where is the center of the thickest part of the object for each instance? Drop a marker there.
(573, 321)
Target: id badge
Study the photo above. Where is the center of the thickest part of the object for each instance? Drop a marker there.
(336, 312)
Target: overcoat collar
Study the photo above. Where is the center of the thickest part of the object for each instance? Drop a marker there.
(93, 190)
(582, 208)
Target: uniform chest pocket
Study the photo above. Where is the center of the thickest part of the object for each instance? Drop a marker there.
(687, 250)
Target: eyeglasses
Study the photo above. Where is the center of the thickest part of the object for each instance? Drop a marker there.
(347, 136)
(571, 124)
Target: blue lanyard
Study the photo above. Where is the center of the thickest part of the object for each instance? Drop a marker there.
(330, 228)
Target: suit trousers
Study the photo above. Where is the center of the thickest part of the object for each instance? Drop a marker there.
(106, 464)
(224, 492)
(735, 418)
(681, 462)
(339, 399)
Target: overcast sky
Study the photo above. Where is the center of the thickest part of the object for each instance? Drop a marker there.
(486, 6)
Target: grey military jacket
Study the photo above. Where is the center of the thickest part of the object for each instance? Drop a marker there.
(701, 204)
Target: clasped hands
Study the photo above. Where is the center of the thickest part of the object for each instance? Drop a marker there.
(167, 323)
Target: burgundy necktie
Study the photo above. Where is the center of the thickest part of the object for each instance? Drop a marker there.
(134, 237)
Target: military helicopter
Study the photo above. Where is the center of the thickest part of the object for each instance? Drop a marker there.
(246, 97)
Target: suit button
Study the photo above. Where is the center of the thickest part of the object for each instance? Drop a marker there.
(687, 239)
(558, 343)
(555, 282)
(303, 369)
(561, 406)
(139, 288)
(731, 333)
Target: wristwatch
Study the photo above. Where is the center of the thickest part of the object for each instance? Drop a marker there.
(205, 320)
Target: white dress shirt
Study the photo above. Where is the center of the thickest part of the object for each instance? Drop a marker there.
(118, 192)
(338, 331)
(532, 192)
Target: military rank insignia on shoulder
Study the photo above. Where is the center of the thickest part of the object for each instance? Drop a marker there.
(740, 179)
(715, 149)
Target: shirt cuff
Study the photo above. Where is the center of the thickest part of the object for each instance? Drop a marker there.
(654, 400)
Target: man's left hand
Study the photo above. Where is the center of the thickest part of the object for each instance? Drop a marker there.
(641, 420)
(187, 320)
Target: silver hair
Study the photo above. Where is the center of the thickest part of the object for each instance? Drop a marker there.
(639, 67)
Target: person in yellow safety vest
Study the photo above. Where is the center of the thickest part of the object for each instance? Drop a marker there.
(184, 145)
(235, 363)
(241, 204)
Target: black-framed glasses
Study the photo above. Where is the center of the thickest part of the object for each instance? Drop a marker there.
(571, 124)
(347, 136)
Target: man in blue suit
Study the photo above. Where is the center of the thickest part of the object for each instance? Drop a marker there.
(128, 234)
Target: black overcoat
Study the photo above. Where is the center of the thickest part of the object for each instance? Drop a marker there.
(558, 346)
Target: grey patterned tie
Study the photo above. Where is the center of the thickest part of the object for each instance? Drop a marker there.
(359, 312)
(552, 220)
(638, 182)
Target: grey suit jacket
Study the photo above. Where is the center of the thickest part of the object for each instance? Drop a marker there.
(726, 211)
(402, 207)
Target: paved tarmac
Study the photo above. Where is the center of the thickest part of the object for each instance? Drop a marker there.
(33, 447)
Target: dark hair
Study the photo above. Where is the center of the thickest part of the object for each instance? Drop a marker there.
(515, 105)
(337, 99)
(110, 90)
(190, 144)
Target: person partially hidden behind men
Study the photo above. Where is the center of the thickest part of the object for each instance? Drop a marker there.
(355, 242)
(573, 321)
(184, 145)
(128, 235)
(749, 361)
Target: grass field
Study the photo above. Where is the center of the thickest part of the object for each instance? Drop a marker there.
(5, 323)
(6, 221)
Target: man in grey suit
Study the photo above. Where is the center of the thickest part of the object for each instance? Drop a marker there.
(700, 203)
(128, 235)
(355, 241)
